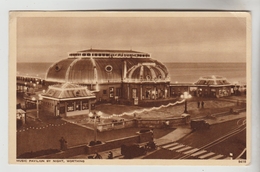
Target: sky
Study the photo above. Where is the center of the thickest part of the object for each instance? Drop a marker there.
(168, 39)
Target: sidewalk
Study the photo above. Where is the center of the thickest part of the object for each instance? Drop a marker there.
(226, 118)
(173, 136)
(184, 130)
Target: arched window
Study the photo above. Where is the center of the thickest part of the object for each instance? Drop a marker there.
(148, 77)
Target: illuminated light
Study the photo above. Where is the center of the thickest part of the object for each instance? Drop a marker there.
(90, 114)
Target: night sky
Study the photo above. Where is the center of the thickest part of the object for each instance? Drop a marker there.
(168, 37)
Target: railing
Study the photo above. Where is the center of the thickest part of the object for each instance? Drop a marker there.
(144, 123)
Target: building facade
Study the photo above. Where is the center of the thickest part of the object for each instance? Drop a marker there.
(207, 86)
(67, 100)
(113, 75)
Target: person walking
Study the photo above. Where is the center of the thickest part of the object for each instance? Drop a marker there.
(202, 104)
(62, 144)
(198, 104)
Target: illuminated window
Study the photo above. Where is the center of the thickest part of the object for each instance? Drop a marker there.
(111, 92)
(85, 105)
(70, 107)
(134, 93)
(78, 107)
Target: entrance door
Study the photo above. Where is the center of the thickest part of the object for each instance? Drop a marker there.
(134, 93)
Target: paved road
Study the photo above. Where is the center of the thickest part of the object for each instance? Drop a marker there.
(207, 144)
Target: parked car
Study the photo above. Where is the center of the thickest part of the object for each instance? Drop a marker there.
(132, 150)
(199, 124)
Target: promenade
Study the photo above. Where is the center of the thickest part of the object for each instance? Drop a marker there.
(172, 136)
(44, 133)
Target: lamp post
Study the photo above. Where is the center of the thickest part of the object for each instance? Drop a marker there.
(25, 87)
(186, 96)
(95, 116)
(37, 104)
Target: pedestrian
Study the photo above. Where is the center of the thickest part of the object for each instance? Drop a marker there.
(198, 104)
(110, 155)
(202, 104)
(62, 144)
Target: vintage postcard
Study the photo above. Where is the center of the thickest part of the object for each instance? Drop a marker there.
(134, 88)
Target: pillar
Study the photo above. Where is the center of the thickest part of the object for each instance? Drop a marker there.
(124, 70)
(128, 92)
(141, 92)
(89, 104)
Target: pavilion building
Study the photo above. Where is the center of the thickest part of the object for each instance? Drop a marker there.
(67, 100)
(206, 86)
(113, 75)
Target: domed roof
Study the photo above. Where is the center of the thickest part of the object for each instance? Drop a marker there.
(212, 80)
(104, 69)
(147, 72)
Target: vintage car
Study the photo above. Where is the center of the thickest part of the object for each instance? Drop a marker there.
(132, 150)
(199, 124)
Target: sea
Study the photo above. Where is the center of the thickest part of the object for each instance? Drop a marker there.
(179, 72)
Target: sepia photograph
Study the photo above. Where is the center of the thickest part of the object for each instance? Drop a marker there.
(122, 87)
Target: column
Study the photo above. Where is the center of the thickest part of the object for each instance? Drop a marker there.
(141, 92)
(128, 93)
(89, 104)
(80, 104)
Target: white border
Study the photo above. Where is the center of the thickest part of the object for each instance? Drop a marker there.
(250, 5)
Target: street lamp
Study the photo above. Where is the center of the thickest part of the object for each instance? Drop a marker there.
(95, 116)
(25, 87)
(37, 104)
(185, 96)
